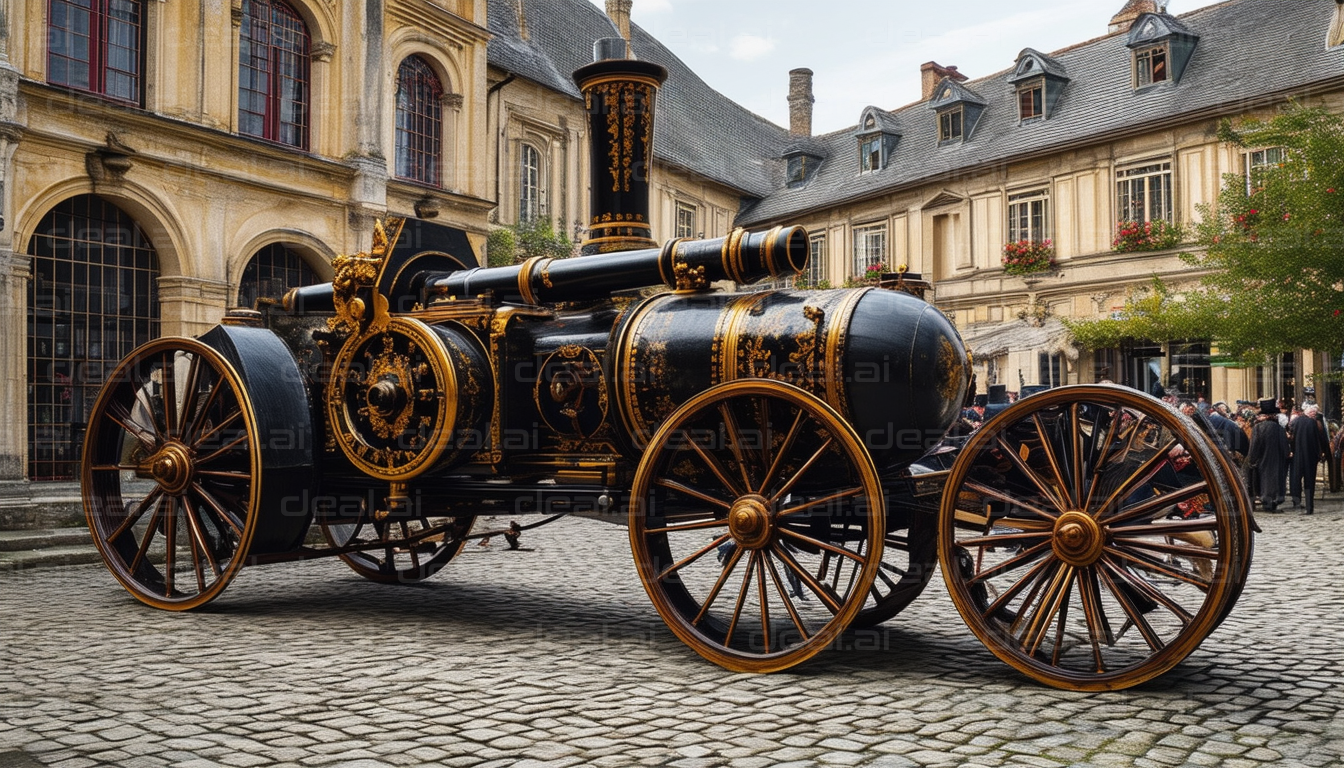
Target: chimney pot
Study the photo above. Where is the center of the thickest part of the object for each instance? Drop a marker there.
(800, 102)
(1122, 21)
(931, 73)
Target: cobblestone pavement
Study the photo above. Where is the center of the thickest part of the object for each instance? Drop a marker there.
(556, 657)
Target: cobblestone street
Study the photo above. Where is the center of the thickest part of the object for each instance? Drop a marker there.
(555, 657)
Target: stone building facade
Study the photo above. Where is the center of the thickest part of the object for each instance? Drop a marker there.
(1062, 147)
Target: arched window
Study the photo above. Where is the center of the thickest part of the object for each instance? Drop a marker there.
(419, 121)
(529, 183)
(95, 46)
(271, 272)
(92, 299)
(273, 73)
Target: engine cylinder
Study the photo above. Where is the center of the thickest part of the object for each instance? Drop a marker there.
(890, 364)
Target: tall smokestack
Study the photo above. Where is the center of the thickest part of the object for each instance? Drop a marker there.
(800, 102)
(619, 94)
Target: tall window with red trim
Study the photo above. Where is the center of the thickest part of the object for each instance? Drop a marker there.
(273, 65)
(95, 46)
(419, 121)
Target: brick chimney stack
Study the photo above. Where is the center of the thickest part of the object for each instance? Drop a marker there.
(932, 73)
(1122, 21)
(800, 102)
(619, 13)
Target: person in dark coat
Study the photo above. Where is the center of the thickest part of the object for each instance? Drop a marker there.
(1308, 444)
(1267, 460)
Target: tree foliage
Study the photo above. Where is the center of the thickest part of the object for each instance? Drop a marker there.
(1272, 251)
(515, 243)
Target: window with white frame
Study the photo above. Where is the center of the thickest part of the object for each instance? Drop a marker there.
(529, 183)
(1143, 192)
(816, 260)
(685, 220)
(1258, 161)
(1150, 66)
(1029, 216)
(870, 247)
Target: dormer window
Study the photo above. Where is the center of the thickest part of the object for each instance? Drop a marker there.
(950, 124)
(1162, 47)
(803, 158)
(877, 137)
(1039, 81)
(958, 110)
(1150, 66)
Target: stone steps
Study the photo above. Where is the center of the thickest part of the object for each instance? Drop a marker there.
(45, 548)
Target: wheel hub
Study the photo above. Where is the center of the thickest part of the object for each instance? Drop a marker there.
(750, 522)
(1078, 540)
(172, 467)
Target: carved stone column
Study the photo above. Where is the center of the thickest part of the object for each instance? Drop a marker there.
(191, 306)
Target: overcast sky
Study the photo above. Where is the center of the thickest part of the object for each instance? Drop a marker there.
(862, 51)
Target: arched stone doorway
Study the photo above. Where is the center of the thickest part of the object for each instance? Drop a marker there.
(92, 299)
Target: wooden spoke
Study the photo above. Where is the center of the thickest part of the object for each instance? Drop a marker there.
(169, 376)
(1013, 562)
(1042, 486)
(718, 522)
(1148, 590)
(718, 585)
(734, 437)
(761, 598)
(237, 441)
(118, 415)
(828, 597)
(191, 393)
(788, 485)
(699, 553)
(229, 518)
(825, 547)
(716, 468)
(1048, 607)
(1059, 627)
(1030, 578)
(673, 485)
(1154, 564)
(995, 540)
(741, 596)
(135, 515)
(788, 603)
(1184, 550)
(1151, 506)
(198, 536)
(169, 546)
(845, 494)
(783, 451)
(189, 432)
(114, 468)
(1089, 594)
(1140, 475)
(1047, 577)
(224, 475)
(1171, 528)
(1007, 497)
(216, 429)
(1076, 486)
(1056, 471)
(149, 534)
(1099, 466)
(1135, 615)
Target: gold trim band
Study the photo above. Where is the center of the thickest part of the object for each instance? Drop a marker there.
(836, 394)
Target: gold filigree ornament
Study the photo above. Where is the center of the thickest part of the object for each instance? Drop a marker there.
(689, 278)
(355, 275)
(392, 400)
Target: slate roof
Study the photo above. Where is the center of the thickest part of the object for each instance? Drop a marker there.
(698, 128)
(1246, 48)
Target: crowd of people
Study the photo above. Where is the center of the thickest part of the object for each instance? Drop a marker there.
(1280, 447)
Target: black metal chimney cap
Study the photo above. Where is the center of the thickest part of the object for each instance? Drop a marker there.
(628, 67)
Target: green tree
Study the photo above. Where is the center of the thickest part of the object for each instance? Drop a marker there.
(1272, 251)
(515, 243)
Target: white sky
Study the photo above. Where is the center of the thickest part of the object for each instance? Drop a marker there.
(862, 51)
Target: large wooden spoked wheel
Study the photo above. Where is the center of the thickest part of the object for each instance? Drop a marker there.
(171, 473)
(909, 557)
(756, 523)
(411, 550)
(1062, 545)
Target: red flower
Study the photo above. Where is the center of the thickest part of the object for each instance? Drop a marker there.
(1287, 216)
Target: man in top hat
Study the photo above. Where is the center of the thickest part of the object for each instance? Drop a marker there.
(1309, 444)
(1267, 460)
